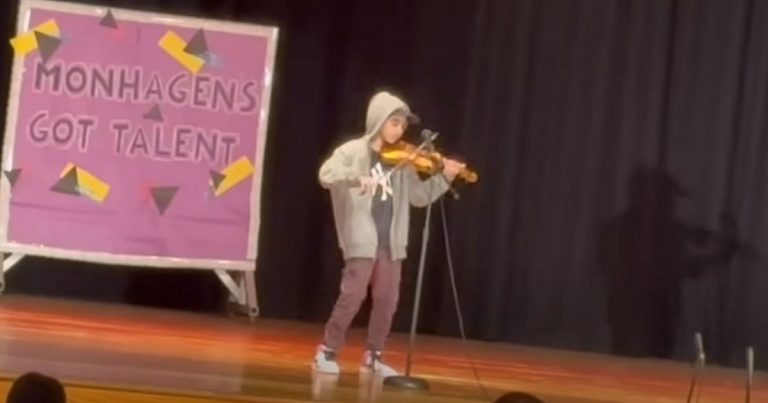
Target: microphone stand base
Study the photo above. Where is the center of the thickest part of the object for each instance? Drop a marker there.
(406, 382)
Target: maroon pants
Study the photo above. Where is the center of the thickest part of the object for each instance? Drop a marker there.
(383, 275)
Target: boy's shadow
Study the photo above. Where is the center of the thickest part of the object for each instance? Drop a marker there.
(644, 255)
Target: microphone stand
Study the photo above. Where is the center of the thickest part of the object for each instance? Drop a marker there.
(699, 364)
(407, 381)
(750, 372)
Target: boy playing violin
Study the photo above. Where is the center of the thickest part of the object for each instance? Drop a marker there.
(372, 211)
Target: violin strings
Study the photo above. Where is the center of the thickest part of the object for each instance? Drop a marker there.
(459, 315)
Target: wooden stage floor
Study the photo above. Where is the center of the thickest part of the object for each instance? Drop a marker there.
(114, 353)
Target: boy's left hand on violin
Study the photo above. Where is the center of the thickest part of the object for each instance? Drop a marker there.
(452, 168)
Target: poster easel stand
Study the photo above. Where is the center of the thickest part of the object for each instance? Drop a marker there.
(241, 284)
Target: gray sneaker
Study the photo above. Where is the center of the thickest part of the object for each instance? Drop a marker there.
(372, 363)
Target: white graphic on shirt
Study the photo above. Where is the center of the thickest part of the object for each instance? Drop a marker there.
(382, 179)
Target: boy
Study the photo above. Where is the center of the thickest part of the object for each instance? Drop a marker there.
(371, 213)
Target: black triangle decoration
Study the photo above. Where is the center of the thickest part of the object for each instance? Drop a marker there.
(198, 44)
(163, 196)
(13, 176)
(109, 20)
(47, 45)
(67, 184)
(217, 178)
(154, 114)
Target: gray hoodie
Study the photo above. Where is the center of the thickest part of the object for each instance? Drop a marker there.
(340, 174)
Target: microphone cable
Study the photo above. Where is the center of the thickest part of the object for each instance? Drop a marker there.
(457, 304)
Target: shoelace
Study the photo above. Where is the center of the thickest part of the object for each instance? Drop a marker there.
(329, 355)
(375, 358)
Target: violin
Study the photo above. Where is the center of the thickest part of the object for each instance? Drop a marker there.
(427, 162)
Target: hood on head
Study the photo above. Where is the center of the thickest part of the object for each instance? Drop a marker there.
(381, 107)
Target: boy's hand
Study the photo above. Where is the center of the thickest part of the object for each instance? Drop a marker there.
(452, 168)
(368, 185)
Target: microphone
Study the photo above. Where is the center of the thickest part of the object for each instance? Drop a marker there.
(428, 135)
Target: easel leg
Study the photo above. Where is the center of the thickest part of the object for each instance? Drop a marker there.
(7, 261)
(2, 272)
(242, 290)
(250, 294)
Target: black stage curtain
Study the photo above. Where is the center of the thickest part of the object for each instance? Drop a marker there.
(621, 153)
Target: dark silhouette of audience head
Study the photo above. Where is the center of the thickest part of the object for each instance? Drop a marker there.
(33, 387)
(518, 397)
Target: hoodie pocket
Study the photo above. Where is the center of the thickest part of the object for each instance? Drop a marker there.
(358, 221)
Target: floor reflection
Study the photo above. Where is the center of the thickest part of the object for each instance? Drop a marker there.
(325, 387)
(370, 387)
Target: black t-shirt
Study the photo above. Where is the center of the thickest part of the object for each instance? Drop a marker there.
(381, 210)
